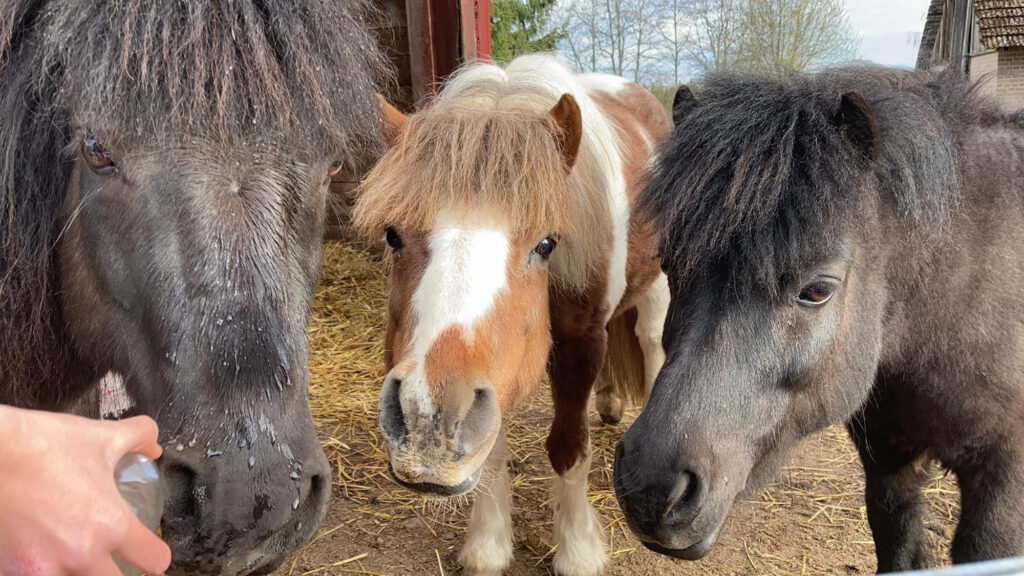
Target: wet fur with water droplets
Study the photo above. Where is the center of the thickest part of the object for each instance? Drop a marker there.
(184, 251)
(841, 247)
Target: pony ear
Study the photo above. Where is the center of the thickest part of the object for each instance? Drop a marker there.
(858, 123)
(683, 104)
(569, 124)
(392, 121)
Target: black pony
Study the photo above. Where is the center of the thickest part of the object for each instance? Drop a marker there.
(163, 178)
(841, 247)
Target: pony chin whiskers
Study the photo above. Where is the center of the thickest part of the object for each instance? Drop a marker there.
(444, 510)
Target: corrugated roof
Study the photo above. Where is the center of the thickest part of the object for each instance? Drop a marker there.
(1001, 22)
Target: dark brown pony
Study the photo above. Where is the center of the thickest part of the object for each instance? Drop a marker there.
(841, 247)
(163, 178)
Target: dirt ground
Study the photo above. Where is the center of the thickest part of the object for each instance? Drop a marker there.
(811, 521)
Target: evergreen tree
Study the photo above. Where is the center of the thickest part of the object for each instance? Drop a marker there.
(520, 27)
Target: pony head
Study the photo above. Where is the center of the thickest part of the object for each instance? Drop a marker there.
(163, 180)
(480, 200)
(777, 202)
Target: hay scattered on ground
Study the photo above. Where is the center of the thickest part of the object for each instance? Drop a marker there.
(818, 499)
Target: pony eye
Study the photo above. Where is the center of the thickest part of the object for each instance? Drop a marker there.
(334, 168)
(816, 293)
(96, 156)
(545, 247)
(392, 238)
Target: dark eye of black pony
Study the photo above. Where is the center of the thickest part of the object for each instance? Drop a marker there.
(392, 238)
(816, 293)
(96, 156)
(545, 247)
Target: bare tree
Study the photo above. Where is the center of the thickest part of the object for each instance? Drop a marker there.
(715, 38)
(645, 17)
(662, 39)
(780, 35)
(615, 40)
(614, 36)
(674, 33)
(762, 35)
(580, 23)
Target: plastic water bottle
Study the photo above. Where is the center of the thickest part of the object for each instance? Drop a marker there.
(138, 481)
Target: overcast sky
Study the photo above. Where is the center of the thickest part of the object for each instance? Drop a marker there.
(884, 26)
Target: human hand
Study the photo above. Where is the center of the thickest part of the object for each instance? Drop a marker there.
(60, 511)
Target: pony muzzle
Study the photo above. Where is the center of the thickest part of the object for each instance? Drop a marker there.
(438, 443)
(694, 551)
(675, 505)
(226, 490)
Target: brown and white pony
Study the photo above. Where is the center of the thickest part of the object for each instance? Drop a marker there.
(506, 206)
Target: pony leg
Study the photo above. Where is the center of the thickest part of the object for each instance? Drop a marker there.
(651, 310)
(579, 536)
(992, 505)
(488, 547)
(893, 482)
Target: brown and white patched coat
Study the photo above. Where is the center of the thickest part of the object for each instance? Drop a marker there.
(506, 204)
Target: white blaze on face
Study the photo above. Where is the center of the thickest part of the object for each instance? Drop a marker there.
(459, 287)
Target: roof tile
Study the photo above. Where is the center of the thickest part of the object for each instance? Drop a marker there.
(1001, 22)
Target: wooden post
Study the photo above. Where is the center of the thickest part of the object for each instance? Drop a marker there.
(433, 43)
(442, 35)
(476, 29)
(426, 40)
(444, 26)
(483, 29)
(421, 48)
(468, 29)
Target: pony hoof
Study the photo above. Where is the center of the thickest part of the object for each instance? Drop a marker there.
(486, 557)
(594, 567)
(586, 558)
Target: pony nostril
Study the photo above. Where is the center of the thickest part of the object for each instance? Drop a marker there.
(684, 501)
(479, 417)
(483, 398)
(311, 501)
(317, 485)
(182, 495)
(626, 476)
(392, 421)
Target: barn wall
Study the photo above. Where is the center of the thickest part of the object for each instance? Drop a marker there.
(983, 68)
(391, 28)
(425, 40)
(1010, 86)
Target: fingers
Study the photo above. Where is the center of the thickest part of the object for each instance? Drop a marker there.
(105, 567)
(143, 549)
(137, 434)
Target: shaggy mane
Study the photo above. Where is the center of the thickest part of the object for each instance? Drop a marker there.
(214, 68)
(758, 172)
(298, 74)
(486, 144)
